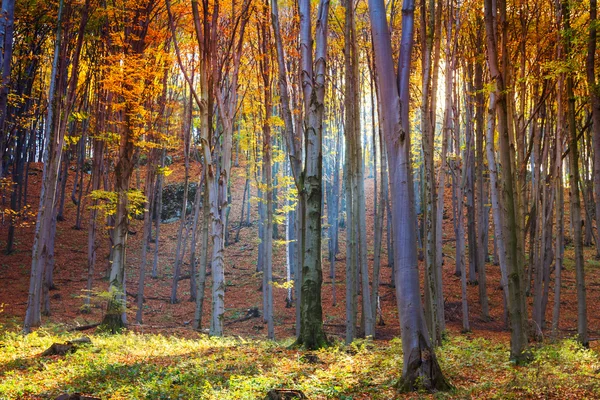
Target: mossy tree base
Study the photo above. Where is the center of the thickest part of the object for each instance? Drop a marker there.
(113, 321)
(422, 372)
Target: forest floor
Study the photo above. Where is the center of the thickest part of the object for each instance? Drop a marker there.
(166, 358)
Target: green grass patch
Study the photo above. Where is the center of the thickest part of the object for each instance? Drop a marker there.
(137, 366)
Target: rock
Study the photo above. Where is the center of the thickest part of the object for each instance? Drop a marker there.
(285, 394)
(61, 349)
(76, 396)
(172, 201)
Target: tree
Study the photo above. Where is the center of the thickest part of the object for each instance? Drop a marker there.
(516, 294)
(355, 200)
(312, 335)
(125, 66)
(420, 367)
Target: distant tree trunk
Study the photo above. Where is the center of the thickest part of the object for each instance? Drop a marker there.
(469, 165)
(149, 193)
(239, 228)
(265, 69)
(379, 219)
(201, 279)
(97, 166)
(187, 129)
(574, 179)
(333, 213)
(451, 49)
(158, 211)
(291, 251)
(495, 200)
(560, 204)
(351, 261)
(355, 184)
(420, 366)
(516, 292)
(7, 28)
(482, 196)
(594, 90)
(293, 140)
(460, 239)
(260, 259)
(194, 240)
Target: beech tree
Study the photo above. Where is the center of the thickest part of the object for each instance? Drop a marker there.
(516, 292)
(420, 366)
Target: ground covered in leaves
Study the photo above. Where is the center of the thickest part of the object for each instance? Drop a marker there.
(151, 366)
(165, 358)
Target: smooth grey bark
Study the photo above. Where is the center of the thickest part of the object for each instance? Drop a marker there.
(450, 60)
(351, 259)
(194, 240)
(458, 186)
(420, 366)
(51, 159)
(495, 200)
(356, 227)
(201, 276)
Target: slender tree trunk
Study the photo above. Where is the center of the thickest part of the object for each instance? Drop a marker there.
(201, 279)
(187, 128)
(51, 159)
(7, 28)
(582, 329)
(158, 211)
(516, 293)
(265, 67)
(594, 90)
(194, 240)
(97, 166)
(149, 193)
(429, 193)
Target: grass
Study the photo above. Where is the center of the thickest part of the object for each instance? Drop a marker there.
(147, 366)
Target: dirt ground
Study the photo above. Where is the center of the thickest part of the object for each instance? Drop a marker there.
(243, 283)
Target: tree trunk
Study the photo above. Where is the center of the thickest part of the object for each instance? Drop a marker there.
(574, 192)
(53, 146)
(265, 67)
(157, 212)
(312, 335)
(149, 193)
(594, 90)
(516, 293)
(420, 366)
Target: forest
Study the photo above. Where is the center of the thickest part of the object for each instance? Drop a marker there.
(311, 199)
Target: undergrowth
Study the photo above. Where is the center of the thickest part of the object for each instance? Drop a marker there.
(137, 366)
